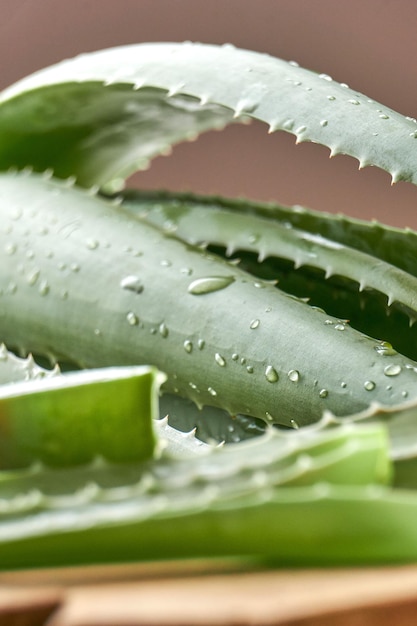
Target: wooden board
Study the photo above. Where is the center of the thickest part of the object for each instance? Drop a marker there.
(207, 593)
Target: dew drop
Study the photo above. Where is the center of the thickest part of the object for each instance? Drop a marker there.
(384, 348)
(392, 370)
(33, 276)
(243, 360)
(271, 374)
(163, 330)
(201, 343)
(343, 385)
(340, 327)
(132, 283)
(384, 116)
(188, 346)
(44, 288)
(323, 393)
(10, 249)
(235, 356)
(323, 123)
(369, 385)
(294, 424)
(294, 376)
(16, 214)
(92, 244)
(269, 417)
(166, 263)
(254, 324)
(74, 267)
(356, 102)
(249, 369)
(208, 284)
(212, 391)
(132, 318)
(404, 394)
(219, 359)
(331, 97)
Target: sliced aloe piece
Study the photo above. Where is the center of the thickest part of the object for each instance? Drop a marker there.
(73, 418)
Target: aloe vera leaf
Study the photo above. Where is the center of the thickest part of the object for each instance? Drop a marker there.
(134, 295)
(211, 424)
(100, 116)
(388, 243)
(317, 525)
(13, 368)
(72, 418)
(270, 250)
(195, 224)
(60, 507)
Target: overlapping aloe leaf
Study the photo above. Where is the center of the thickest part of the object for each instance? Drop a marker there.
(115, 309)
(73, 418)
(13, 368)
(378, 297)
(101, 116)
(46, 516)
(388, 243)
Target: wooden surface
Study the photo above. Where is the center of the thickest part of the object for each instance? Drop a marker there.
(202, 594)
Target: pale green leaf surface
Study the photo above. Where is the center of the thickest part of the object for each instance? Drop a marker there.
(101, 116)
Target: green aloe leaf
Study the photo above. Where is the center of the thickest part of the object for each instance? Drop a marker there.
(73, 418)
(101, 116)
(113, 310)
(47, 517)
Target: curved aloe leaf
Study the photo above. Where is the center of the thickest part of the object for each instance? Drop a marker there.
(13, 368)
(195, 224)
(113, 311)
(40, 508)
(101, 116)
(71, 419)
(388, 243)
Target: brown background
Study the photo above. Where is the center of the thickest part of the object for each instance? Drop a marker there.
(369, 44)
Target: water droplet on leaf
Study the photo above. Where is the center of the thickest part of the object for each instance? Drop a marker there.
(132, 318)
(392, 370)
(209, 284)
(132, 283)
(188, 346)
(271, 374)
(369, 385)
(219, 359)
(294, 376)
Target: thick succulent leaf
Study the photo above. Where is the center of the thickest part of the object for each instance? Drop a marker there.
(135, 295)
(266, 238)
(394, 245)
(103, 115)
(14, 369)
(44, 508)
(73, 418)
